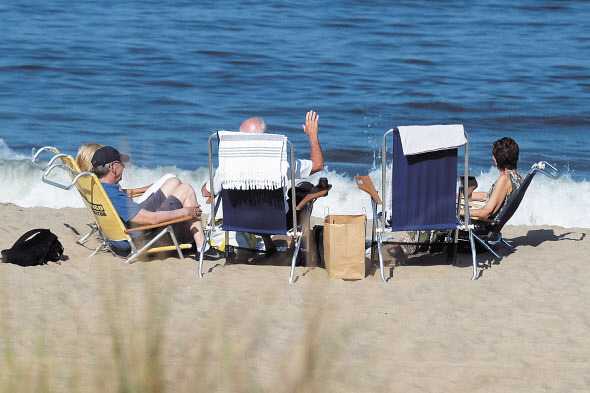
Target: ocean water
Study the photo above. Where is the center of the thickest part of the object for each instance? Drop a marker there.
(156, 78)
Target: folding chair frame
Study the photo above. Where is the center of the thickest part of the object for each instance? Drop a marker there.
(381, 217)
(295, 232)
(105, 244)
(499, 223)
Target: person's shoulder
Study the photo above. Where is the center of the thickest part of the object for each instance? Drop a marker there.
(113, 190)
(504, 183)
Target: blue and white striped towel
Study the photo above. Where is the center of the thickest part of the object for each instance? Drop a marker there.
(252, 161)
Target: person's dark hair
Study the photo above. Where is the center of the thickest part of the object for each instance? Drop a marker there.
(506, 152)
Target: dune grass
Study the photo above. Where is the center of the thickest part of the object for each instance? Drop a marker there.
(133, 350)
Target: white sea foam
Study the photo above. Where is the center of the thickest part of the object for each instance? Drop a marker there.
(562, 202)
(6, 153)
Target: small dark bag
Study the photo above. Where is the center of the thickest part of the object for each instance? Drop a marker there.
(35, 247)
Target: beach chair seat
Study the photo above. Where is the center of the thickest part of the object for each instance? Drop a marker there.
(488, 232)
(423, 186)
(106, 220)
(256, 202)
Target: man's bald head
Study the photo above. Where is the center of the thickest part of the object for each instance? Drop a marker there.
(254, 125)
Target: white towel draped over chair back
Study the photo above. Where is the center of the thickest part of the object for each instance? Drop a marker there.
(424, 139)
(252, 161)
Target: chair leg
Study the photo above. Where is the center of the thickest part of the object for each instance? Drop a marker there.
(175, 241)
(379, 240)
(202, 252)
(135, 253)
(294, 259)
(483, 243)
(304, 225)
(373, 235)
(473, 254)
(93, 228)
(380, 250)
(455, 247)
(508, 244)
(97, 249)
(226, 247)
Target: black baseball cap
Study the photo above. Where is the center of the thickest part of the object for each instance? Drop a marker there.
(106, 155)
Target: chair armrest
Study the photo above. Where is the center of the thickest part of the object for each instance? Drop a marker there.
(162, 224)
(365, 184)
(311, 197)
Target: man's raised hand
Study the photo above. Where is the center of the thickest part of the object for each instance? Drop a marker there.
(311, 124)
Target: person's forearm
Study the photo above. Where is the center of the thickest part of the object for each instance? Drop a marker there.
(479, 196)
(151, 218)
(476, 213)
(316, 155)
(133, 192)
(204, 191)
(484, 212)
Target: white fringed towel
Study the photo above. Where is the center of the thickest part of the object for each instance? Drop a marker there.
(252, 161)
(423, 139)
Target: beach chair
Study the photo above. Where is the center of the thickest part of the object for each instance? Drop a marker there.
(488, 232)
(73, 165)
(253, 168)
(423, 186)
(107, 221)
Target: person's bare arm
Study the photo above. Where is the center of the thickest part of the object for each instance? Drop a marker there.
(503, 187)
(145, 217)
(132, 192)
(204, 191)
(479, 196)
(311, 130)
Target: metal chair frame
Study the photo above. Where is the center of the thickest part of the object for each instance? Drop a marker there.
(211, 228)
(381, 217)
(105, 244)
(488, 244)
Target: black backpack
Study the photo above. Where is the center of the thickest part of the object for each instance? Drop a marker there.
(35, 247)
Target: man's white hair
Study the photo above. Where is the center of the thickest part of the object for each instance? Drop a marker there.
(254, 125)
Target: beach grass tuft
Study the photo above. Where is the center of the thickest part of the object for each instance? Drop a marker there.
(133, 348)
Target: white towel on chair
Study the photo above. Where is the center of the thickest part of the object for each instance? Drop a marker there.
(423, 139)
(252, 161)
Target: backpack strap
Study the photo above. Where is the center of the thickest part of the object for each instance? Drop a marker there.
(27, 235)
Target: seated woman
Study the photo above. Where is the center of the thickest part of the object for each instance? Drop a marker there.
(84, 161)
(505, 153)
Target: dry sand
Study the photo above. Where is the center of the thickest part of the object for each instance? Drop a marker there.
(524, 325)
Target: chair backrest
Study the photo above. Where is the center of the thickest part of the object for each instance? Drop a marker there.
(97, 202)
(258, 211)
(424, 188)
(252, 206)
(514, 202)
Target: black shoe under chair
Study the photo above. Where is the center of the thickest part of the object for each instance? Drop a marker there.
(212, 254)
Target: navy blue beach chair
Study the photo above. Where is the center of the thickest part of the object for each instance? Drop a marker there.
(423, 186)
(258, 210)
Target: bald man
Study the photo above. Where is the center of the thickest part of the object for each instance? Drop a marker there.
(303, 168)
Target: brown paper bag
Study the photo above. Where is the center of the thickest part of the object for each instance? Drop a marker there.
(344, 246)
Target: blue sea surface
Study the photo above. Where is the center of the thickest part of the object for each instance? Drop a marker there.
(157, 77)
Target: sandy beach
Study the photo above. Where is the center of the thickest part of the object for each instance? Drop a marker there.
(98, 324)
